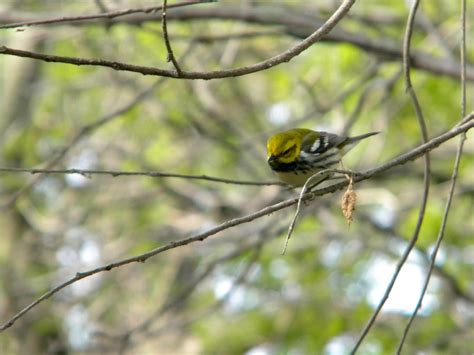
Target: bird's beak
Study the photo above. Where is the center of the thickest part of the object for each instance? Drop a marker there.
(271, 158)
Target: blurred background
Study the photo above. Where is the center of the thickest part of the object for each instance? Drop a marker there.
(234, 293)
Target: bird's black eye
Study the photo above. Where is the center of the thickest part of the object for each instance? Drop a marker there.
(286, 151)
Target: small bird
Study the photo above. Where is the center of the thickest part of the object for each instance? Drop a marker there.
(297, 154)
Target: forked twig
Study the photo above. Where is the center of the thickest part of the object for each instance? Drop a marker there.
(300, 199)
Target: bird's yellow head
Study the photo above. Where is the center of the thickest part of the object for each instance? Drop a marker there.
(284, 147)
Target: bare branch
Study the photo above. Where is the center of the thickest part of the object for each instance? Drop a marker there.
(438, 241)
(86, 130)
(463, 58)
(154, 174)
(452, 185)
(167, 40)
(305, 188)
(103, 15)
(218, 74)
(293, 25)
(426, 173)
(402, 159)
(450, 279)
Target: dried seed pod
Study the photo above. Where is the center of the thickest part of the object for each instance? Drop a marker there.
(348, 202)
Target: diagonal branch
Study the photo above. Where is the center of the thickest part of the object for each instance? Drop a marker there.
(426, 174)
(438, 241)
(292, 24)
(218, 74)
(402, 159)
(452, 185)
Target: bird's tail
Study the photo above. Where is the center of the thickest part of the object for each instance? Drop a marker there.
(353, 140)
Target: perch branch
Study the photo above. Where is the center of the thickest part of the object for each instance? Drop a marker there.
(402, 159)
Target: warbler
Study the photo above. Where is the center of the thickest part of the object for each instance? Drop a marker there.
(297, 154)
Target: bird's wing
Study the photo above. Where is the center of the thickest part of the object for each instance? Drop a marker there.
(320, 142)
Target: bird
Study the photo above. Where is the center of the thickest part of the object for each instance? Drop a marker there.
(297, 154)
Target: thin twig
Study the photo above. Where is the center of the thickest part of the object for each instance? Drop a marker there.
(300, 199)
(167, 40)
(104, 15)
(299, 26)
(452, 185)
(466, 119)
(401, 159)
(426, 173)
(438, 241)
(449, 278)
(463, 58)
(154, 174)
(286, 56)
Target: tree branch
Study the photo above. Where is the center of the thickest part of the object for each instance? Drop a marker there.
(167, 40)
(101, 16)
(218, 74)
(402, 159)
(154, 174)
(426, 174)
(438, 241)
(293, 24)
(452, 185)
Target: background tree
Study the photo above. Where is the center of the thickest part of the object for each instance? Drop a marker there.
(131, 168)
